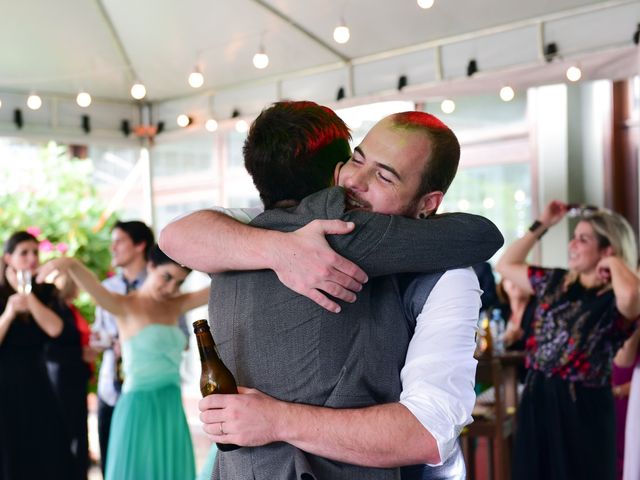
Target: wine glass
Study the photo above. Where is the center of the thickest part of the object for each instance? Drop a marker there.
(24, 282)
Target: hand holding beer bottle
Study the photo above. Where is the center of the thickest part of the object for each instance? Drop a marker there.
(215, 376)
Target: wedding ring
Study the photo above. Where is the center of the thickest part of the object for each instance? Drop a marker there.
(221, 430)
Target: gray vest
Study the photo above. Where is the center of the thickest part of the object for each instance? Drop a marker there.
(285, 345)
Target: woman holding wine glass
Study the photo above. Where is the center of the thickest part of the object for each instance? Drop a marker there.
(33, 442)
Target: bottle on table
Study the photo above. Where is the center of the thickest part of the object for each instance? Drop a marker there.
(484, 340)
(215, 376)
(497, 331)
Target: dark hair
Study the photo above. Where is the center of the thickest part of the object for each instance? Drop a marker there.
(139, 233)
(9, 247)
(442, 164)
(158, 257)
(292, 149)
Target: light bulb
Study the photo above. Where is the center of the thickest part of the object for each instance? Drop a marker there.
(196, 79)
(488, 203)
(83, 99)
(341, 34)
(260, 60)
(34, 102)
(448, 106)
(519, 196)
(242, 126)
(464, 204)
(425, 3)
(138, 91)
(507, 93)
(183, 120)
(574, 73)
(211, 125)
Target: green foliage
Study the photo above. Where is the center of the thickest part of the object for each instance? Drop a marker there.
(51, 195)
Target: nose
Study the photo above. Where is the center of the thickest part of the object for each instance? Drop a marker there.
(357, 179)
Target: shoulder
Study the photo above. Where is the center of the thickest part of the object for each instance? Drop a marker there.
(328, 203)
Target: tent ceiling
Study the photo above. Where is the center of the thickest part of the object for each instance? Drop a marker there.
(101, 46)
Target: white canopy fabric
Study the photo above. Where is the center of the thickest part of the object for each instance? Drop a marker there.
(101, 46)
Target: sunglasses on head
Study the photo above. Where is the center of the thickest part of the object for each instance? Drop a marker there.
(580, 210)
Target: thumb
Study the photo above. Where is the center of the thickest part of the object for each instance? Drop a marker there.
(336, 227)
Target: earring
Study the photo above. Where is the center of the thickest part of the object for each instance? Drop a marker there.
(422, 215)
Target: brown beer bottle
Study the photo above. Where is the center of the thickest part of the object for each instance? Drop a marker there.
(215, 376)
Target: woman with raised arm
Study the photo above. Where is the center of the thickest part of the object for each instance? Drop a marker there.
(33, 440)
(149, 433)
(566, 425)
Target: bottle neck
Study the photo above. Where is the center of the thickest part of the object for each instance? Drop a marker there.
(206, 346)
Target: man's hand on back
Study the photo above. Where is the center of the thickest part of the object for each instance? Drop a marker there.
(306, 264)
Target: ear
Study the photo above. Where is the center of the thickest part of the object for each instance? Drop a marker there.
(429, 203)
(608, 251)
(5, 258)
(336, 172)
(140, 247)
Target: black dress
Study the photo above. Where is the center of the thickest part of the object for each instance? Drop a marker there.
(69, 376)
(33, 440)
(566, 427)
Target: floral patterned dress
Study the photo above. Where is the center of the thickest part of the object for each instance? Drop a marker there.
(566, 425)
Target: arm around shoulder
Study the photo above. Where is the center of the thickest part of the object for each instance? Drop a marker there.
(393, 244)
(211, 241)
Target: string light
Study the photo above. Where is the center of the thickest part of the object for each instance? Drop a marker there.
(261, 59)
(242, 126)
(183, 120)
(425, 3)
(138, 91)
(211, 125)
(507, 94)
(448, 106)
(196, 79)
(574, 73)
(83, 99)
(341, 33)
(34, 102)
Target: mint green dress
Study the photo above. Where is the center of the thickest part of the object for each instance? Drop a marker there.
(150, 437)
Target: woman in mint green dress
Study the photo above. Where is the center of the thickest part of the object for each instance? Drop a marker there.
(150, 437)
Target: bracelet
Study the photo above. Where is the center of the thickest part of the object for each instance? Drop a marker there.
(535, 226)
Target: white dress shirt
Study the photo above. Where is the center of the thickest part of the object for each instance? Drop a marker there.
(438, 377)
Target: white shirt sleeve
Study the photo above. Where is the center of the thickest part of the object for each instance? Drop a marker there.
(438, 377)
(244, 215)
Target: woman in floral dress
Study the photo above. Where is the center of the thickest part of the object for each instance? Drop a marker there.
(566, 427)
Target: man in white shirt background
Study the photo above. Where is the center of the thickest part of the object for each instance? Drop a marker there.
(131, 243)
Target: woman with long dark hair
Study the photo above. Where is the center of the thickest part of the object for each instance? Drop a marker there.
(566, 426)
(33, 440)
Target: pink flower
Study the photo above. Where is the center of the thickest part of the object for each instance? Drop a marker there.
(35, 231)
(62, 247)
(46, 246)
